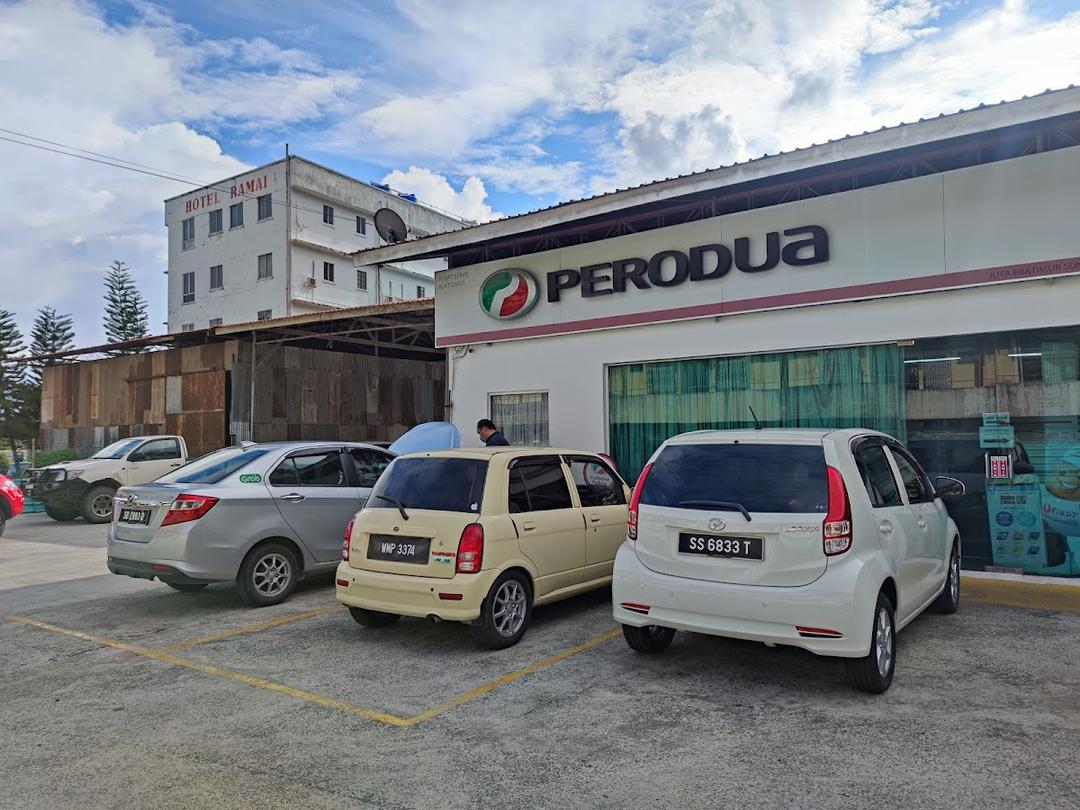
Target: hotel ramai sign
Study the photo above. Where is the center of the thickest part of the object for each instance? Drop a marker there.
(241, 188)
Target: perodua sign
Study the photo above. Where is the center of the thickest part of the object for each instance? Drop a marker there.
(511, 293)
(670, 268)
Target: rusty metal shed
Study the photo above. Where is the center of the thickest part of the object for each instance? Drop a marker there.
(366, 373)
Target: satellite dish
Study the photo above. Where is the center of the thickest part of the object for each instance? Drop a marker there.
(390, 225)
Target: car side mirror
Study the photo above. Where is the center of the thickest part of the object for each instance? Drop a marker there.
(944, 485)
(136, 456)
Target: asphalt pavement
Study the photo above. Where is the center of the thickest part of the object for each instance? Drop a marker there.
(122, 693)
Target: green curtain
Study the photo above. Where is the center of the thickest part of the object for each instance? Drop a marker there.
(848, 387)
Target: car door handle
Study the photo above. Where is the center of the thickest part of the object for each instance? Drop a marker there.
(886, 527)
(594, 518)
(293, 497)
(529, 526)
(174, 466)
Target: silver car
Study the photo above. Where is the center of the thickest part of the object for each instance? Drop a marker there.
(260, 515)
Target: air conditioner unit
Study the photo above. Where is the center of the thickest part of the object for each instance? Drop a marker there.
(309, 282)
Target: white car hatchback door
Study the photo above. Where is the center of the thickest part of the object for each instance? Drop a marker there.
(765, 529)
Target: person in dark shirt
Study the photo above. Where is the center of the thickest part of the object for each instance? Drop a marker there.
(489, 435)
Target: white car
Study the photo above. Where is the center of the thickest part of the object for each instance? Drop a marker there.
(829, 540)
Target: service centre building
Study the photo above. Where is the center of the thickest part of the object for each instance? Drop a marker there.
(922, 280)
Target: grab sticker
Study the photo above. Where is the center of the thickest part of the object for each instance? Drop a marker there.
(250, 478)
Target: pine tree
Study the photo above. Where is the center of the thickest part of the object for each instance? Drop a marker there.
(51, 333)
(16, 421)
(125, 308)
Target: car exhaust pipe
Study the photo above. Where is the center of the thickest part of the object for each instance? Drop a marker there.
(431, 617)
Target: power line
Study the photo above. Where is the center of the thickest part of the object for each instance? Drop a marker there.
(141, 168)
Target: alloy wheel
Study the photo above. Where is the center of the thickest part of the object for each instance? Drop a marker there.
(954, 578)
(102, 505)
(508, 609)
(883, 642)
(272, 575)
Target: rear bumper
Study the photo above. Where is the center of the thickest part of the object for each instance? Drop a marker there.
(143, 570)
(184, 548)
(755, 613)
(414, 596)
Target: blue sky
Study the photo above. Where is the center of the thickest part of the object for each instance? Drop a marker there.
(482, 108)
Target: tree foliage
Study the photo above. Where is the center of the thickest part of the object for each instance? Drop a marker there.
(125, 308)
(51, 333)
(17, 417)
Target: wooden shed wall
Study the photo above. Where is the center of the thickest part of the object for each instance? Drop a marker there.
(182, 391)
(305, 394)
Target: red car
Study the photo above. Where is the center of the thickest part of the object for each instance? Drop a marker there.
(11, 501)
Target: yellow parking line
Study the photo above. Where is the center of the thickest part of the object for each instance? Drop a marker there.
(229, 675)
(250, 628)
(312, 697)
(472, 694)
(1035, 595)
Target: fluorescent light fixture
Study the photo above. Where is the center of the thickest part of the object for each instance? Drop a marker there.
(931, 360)
(1026, 354)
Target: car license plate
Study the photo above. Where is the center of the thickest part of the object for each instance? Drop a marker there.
(399, 549)
(711, 545)
(140, 517)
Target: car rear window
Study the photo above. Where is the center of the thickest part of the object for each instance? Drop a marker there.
(759, 477)
(214, 467)
(440, 484)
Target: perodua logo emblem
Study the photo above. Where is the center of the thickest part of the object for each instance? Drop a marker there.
(508, 294)
(716, 524)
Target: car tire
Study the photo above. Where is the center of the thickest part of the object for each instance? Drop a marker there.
(61, 514)
(94, 504)
(373, 618)
(874, 672)
(505, 613)
(948, 601)
(187, 587)
(3, 523)
(651, 639)
(268, 574)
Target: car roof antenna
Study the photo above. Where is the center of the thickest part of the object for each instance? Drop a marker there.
(757, 424)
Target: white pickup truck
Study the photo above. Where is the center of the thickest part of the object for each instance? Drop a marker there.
(86, 487)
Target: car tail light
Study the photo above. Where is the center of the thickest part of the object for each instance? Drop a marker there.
(188, 507)
(470, 550)
(837, 528)
(631, 519)
(348, 541)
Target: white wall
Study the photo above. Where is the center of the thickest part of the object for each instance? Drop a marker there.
(1008, 213)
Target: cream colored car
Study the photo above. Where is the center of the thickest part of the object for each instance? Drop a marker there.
(481, 536)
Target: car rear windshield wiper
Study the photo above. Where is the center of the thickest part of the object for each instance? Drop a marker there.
(731, 506)
(400, 506)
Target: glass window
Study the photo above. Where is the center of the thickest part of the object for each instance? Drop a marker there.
(217, 277)
(321, 469)
(369, 465)
(264, 315)
(189, 233)
(538, 485)
(236, 215)
(266, 207)
(877, 475)
(914, 485)
(759, 477)
(420, 291)
(187, 327)
(215, 222)
(157, 450)
(215, 322)
(597, 484)
(189, 287)
(328, 214)
(361, 279)
(522, 418)
(439, 484)
(361, 225)
(117, 449)
(214, 467)
(266, 266)
(328, 271)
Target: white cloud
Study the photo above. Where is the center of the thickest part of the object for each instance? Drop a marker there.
(136, 91)
(435, 189)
